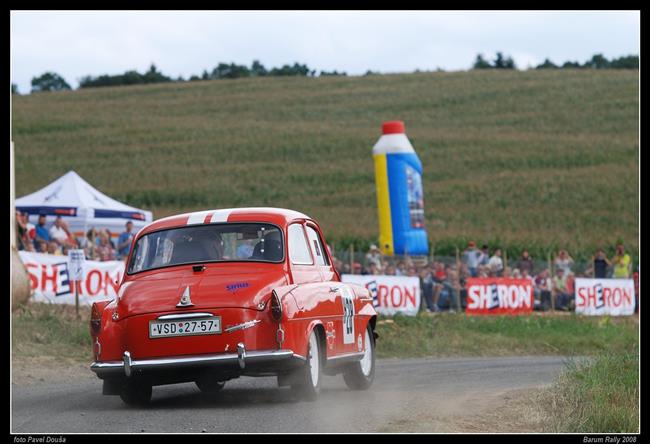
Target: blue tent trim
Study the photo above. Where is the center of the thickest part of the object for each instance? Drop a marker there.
(120, 214)
(49, 211)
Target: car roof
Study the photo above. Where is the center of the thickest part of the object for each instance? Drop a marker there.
(278, 216)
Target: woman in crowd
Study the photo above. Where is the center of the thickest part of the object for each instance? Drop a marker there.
(105, 250)
(91, 246)
(564, 261)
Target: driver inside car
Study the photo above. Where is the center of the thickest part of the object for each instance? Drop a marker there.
(269, 247)
(198, 245)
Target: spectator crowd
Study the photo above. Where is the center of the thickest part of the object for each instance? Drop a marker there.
(56, 238)
(443, 282)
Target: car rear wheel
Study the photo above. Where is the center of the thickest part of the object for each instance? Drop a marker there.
(210, 385)
(361, 374)
(136, 393)
(308, 379)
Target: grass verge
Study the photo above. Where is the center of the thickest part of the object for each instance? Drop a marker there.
(538, 334)
(601, 396)
(48, 330)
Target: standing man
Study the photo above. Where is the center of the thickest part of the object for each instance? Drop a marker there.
(374, 256)
(561, 294)
(58, 233)
(124, 241)
(471, 257)
(525, 263)
(600, 264)
(622, 263)
(42, 234)
(496, 263)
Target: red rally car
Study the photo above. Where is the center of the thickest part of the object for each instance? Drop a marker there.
(213, 295)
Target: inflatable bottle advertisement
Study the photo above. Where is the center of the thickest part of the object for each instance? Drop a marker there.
(400, 201)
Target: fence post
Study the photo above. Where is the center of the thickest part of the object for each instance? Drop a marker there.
(505, 259)
(351, 258)
(593, 267)
(550, 269)
(457, 286)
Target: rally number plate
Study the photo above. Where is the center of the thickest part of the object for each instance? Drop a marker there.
(185, 327)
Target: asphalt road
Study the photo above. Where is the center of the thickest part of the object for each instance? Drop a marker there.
(408, 395)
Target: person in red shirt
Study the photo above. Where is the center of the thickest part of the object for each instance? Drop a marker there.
(440, 273)
(570, 289)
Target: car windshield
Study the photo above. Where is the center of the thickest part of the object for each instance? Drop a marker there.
(207, 243)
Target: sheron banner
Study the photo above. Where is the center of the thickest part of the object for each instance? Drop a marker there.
(391, 294)
(499, 296)
(49, 277)
(614, 297)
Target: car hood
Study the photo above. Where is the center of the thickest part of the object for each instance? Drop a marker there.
(219, 286)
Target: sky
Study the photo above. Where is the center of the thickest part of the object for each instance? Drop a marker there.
(181, 43)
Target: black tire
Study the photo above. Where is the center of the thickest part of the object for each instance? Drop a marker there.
(210, 385)
(136, 393)
(308, 378)
(361, 374)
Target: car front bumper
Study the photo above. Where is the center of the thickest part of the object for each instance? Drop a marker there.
(242, 362)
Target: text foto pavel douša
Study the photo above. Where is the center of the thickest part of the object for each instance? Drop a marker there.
(39, 439)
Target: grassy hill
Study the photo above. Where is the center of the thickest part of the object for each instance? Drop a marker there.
(544, 159)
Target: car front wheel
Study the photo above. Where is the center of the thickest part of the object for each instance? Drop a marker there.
(359, 376)
(308, 381)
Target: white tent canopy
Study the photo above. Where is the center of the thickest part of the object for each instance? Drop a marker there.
(81, 206)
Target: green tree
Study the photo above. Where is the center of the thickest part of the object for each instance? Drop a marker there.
(257, 69)
(626, 62)
(481, 63)
(14, 89)
(502, 62)
(547, 65)
(571, 65)
(229, 71)
(154, 76)
(49, 81)
(598, 61)
(332, 73)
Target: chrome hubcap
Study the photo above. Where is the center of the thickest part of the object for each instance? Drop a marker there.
(366, 361)
(313, 359)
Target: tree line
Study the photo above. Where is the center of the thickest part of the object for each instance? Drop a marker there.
(597, 61)
(51, 81)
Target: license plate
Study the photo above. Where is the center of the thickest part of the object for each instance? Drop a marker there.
(185, 327)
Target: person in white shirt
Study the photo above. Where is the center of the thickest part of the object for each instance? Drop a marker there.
(496, 263)
(57, 233)
(374, 256)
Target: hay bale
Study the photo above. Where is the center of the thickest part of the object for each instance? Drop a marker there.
(20, 288)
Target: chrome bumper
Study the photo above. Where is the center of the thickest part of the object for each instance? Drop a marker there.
(239, 361)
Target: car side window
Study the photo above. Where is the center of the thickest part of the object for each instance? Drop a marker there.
(298, 248)
(317, 245)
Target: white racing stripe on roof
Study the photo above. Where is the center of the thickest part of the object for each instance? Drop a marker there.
(215, 216)
(198, 217)
(220, 216)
